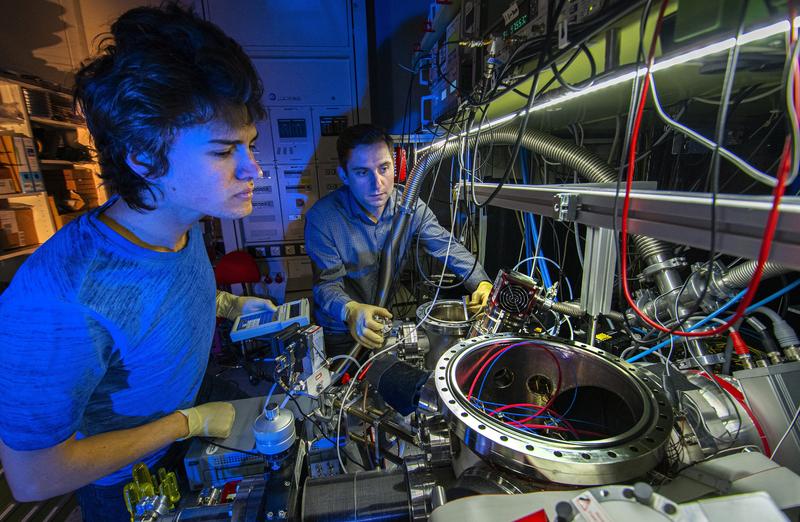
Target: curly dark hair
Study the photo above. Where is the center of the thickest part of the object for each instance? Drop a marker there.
(158, 71)
(361, 134)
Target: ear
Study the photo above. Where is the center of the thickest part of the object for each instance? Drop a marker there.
(140, 163)
(342, 174)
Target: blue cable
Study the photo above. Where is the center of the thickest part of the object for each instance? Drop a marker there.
(543, 269)
(750, 309)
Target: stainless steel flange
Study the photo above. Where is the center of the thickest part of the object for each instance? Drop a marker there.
(618, 415)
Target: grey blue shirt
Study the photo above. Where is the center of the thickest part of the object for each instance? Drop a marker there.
(99, 334)
(345, 247)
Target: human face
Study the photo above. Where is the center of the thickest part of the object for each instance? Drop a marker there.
(211, 172)
(370, 176)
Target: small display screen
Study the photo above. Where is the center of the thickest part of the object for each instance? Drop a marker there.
(294, 311)
(293, 128)
(332, 125)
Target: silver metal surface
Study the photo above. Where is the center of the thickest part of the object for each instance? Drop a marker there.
(599, 268)
(625, 404)
(773, 393)
(682, 218)
(717, 420)
(445, 325)
(617, 503)
(274, 430)
(420, 487)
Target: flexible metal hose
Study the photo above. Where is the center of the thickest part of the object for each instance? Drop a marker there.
(740, 276)
(585, 163)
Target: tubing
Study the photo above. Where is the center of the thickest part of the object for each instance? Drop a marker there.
(740, 276)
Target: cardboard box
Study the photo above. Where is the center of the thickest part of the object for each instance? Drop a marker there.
(17, 227)
(7, 181)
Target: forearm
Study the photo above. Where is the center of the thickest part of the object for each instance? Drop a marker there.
(75, 463)
(332, 298)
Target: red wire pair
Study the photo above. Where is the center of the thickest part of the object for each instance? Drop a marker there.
(772, 219)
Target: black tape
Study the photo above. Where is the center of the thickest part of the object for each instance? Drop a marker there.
(399, 383)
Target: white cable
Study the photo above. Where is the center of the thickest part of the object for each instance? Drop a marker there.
(727, 154)
(765, 94)
(390, 347)
(569, 325)
(532, 258)
(786, 433)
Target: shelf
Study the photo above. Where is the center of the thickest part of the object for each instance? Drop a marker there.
(55, 123)
(15, 252)
(21, 194)
(55, 163)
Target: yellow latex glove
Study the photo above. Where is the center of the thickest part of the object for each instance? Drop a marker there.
(249, 305)
(477, 300)
(212, 419)
(360, 319)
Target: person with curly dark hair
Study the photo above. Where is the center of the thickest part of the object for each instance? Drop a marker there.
(107, 327)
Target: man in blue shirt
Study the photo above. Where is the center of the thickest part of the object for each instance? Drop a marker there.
(346, 231)
(106, 329)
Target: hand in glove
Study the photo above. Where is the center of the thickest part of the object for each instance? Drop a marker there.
(360, 319)
(249, 305)
(212, 419)
(479, 297)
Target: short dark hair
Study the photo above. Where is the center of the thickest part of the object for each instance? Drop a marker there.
(362, 134)
(161, 70)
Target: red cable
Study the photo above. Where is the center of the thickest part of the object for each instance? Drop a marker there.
(769, 231)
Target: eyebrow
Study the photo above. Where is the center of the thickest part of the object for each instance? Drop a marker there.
(221, 141)
(367, 168)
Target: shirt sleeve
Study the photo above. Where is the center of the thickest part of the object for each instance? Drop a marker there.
(53, 356)
(328, 271)
(435, 239)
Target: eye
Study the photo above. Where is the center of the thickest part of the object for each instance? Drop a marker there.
(222, 153)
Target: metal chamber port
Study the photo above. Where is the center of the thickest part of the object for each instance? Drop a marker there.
(553, 410)
(445, 325)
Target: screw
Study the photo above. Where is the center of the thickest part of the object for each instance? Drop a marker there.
(270, 515)
(282, 514)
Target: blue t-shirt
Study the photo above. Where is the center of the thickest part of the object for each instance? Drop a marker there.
(98, 334)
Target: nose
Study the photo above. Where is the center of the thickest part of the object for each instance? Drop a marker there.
(376, 179)
(248, 168)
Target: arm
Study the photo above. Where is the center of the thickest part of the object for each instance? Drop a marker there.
(435, 241)
(75, 463)
(328, 270)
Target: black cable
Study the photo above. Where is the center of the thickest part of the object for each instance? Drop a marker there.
(545, 52)
(588, 82)
(288, 392)
(635, 93)
(714, 169)
(592, 29)
(209, 440)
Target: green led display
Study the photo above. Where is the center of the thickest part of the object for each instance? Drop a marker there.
(515, 26)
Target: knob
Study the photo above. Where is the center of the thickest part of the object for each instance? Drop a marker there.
(643, 492)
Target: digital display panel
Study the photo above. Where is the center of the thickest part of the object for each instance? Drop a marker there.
(292, 128)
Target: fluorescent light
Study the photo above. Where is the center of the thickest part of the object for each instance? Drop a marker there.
(696, 54)
(660, 65)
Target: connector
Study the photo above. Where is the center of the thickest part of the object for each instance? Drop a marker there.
(741, 350)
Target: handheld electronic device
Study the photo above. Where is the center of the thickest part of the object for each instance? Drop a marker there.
(268, 322)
